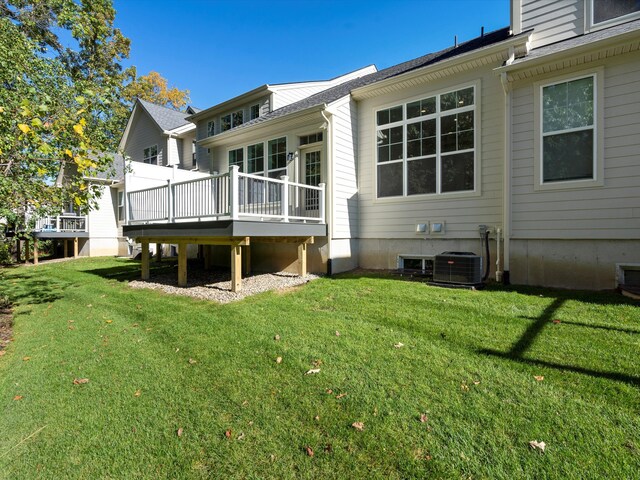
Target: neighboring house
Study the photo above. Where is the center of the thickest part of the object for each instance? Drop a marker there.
(94, 234)
(531, 132)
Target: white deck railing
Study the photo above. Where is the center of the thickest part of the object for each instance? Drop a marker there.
(62, 223)
(232, 195)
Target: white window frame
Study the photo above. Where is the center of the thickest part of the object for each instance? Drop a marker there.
(598, 132)
(251, 117)
(147, 159)
(265, 156)
(121, 212)
(438, 195)
(232, 117)
(591, 26)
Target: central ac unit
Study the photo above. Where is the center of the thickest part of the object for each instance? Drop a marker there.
(463, 268)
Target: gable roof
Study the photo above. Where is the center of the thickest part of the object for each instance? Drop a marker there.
(335, 93)
(166, 118)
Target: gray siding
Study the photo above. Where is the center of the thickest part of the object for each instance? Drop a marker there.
(388, 218)
(553, 20)
(611, 211)
(345, 181)
(144, 133)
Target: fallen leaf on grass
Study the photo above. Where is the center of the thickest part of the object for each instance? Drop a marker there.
(464, 387)
(134, 325)
(179, 432)
(399, 345)
(556, 321)
(138, 393)
(279, 360)
(476, 382)
(538, 378)
(89, 306)
(338, 397)
(537, 445)
(309, 451)
(423, 418)
(337, 333)
(109, 321)
(18, 397)
(80, 381)
(312, 371)
(2, 353)
(26, 359)
(227, 434)
(329, 391)
(240, 436)
(71, 327)
(317, 418)
(358, 426)
(277, 338)
(316, 363)
(192, 361)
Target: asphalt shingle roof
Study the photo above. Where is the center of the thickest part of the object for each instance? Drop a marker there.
(166, 118)
(335, 93)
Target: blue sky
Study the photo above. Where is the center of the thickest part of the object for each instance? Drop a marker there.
(220, 49)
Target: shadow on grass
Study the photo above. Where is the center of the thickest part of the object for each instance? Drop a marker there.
(29, 289)
(131, 270)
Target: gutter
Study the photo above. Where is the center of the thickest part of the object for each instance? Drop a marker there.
(329, 190)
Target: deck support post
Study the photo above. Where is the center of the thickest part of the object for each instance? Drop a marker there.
(26, 251)
(158, 252)
(302, 259)
(65, 245)
(182, 264)
(35, 251)
(236, 268)
(75, 247)
(144, 260)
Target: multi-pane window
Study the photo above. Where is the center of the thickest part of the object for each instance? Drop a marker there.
(231, 120)
(120, 206)
(236, 157)
(568, 130)
(427, 146)
(150, 155)
(255, 158)
(254, 111)
(313, 138)
(277, 164)
(606, 10)
(211, 128)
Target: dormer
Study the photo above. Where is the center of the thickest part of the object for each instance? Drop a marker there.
(556, 20)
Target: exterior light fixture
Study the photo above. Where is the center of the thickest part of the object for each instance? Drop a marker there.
(290, 156)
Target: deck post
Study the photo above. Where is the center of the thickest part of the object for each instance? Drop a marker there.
(158, 252)
(236, 268)
(234, 193)
(26, 251)
(302, 259)
(323, 189)
(144, 260)
(35, 251)
(182, 264)
(75, 247)
(285, 198)
(66, 247)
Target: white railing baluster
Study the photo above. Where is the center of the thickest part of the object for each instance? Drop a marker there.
(321, 202)
(234, 196)
(285, 198)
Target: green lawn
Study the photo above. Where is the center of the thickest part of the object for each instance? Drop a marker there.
(158, 363)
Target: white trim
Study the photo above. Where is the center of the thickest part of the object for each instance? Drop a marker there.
(598, 132)
(438, 195)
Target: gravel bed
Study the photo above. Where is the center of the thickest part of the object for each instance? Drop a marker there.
(216, 285)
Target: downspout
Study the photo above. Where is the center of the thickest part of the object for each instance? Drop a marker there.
(506, 175)
(329, 185)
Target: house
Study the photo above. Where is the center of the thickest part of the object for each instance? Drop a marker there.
(528, 134)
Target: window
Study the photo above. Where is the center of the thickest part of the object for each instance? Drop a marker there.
(121, 206)
(427, 146)
(609, 12)
(277, 162)
(313, 138)
(236, 157)
(211, 128)
(194, 156)
(254, 111)
(151, 155)
(568, 130)
(231, 120)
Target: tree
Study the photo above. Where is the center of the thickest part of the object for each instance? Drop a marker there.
(56, 102)
(154, 88)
